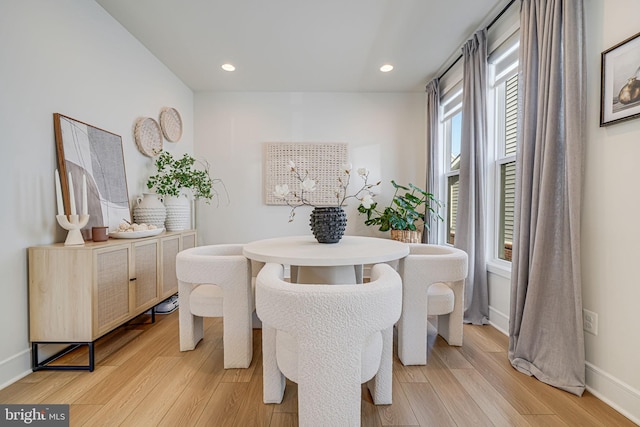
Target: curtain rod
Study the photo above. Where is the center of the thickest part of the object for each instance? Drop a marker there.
(504, 9)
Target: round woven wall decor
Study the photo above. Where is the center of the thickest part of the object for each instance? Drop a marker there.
(171, 123)
(148, 136)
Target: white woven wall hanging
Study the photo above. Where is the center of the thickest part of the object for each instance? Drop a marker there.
(322, 161)
(171, 124)
(148, 136)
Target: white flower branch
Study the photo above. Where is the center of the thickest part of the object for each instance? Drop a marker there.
(308, 185)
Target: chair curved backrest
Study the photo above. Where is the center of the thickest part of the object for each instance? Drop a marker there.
(330, 324)
(210, 277)
(302, 309)
(213, 263)
(425, 265)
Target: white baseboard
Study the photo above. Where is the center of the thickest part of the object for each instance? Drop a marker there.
(620, 396)
(15, 367)
(499, 320)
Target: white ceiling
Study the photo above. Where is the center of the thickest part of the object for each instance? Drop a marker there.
(304, 45)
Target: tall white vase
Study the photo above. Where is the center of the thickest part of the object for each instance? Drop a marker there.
(150, 210)
(178, 213)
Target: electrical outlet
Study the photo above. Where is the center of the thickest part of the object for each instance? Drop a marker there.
(590, 321)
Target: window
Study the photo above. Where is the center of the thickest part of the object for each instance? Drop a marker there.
(505, 88)
(502, 113)
(507, 164)
(452, 126)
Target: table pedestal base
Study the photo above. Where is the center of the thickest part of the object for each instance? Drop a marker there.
(342, 274)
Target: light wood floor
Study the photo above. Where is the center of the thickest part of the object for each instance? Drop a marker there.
(142, 379)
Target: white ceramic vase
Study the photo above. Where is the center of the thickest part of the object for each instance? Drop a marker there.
(178, 212)
(150, 210)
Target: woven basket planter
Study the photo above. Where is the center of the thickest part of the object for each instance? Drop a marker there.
(407, 236)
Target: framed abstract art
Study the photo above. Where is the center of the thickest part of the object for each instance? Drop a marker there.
(96, 154)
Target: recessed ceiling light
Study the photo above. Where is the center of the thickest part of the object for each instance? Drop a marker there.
(386, 68)
(228, 67)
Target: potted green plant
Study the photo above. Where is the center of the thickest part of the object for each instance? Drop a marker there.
(405, 216)
(173, 177)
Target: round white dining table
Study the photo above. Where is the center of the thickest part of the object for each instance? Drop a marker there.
(326, 262)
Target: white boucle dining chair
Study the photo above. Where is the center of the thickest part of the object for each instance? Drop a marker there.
(215, 281)
(329, 339)
(432, 284)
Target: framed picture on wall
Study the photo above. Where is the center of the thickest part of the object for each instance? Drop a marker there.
(620, 90)
(96, 154)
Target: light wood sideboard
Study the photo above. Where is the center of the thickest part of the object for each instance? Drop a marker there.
(79, 293)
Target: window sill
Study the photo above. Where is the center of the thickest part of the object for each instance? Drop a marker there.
(499, 268)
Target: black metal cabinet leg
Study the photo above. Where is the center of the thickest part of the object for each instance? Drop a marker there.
(45, 364)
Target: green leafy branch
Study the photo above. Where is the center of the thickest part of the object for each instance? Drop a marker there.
(174, 175)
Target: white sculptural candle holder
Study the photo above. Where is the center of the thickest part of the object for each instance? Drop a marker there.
(73, 223)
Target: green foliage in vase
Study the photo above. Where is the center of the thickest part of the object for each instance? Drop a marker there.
(174, 175)
(407, 209)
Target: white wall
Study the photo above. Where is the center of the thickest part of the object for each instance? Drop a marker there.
(610, 229)
(385, 133)
(69, 57)
(499, 283)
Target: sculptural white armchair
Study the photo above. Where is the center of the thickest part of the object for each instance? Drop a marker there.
(432, 284)
(215, 281)
(329, 339)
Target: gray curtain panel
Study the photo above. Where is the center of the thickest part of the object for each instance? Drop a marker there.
(470, 222)
(433, 156)
(545, 331)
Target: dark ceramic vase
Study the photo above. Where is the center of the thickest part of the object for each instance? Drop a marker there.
(328, 224)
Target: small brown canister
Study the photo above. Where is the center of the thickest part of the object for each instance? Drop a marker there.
(99, 234)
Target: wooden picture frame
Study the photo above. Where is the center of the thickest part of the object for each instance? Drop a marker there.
(620, 86)
(97, 154)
